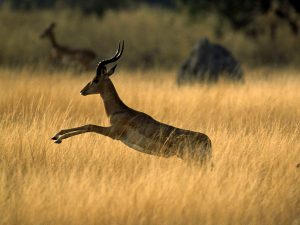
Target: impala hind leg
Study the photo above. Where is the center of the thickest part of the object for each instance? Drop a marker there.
(63, 134)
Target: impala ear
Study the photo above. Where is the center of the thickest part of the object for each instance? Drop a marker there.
(52, 25)
(111, 71)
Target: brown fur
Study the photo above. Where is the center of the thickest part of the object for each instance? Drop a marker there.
(137, 129)
(82, 56)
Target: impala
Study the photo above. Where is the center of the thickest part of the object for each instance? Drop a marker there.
(60, 52)
(137, 129)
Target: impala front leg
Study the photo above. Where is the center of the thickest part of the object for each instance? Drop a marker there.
(63, 134)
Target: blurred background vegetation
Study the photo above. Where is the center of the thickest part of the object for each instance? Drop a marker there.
(157, 33)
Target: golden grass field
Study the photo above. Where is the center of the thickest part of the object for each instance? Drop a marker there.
(91, 179)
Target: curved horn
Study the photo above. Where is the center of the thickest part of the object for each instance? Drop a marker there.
(113, 59)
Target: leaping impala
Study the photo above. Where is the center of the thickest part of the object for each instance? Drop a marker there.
(137, 129)
(83, 56)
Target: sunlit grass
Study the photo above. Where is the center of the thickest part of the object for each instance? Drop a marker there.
(91, 179)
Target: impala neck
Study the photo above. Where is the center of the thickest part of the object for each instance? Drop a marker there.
(112, 102)
(53, 41)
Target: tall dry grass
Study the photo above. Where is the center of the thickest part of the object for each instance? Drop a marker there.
(91, 179)
(156, 37)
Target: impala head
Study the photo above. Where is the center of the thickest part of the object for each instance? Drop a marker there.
(48, 31)
(102, 74)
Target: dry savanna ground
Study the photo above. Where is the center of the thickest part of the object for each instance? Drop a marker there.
(91, 179)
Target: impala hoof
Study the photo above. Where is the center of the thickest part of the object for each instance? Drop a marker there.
(57, 141)
(54, 138)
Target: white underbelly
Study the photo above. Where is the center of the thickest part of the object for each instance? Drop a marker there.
(139, 142)
(134, 145)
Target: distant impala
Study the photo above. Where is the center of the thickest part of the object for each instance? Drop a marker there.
(81, 56)
(137, 129)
